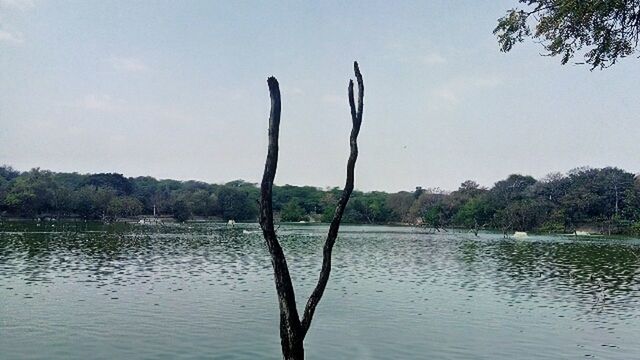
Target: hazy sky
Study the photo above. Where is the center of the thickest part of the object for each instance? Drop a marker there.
(177, 89)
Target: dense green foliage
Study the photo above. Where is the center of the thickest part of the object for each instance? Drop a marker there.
(605, 30)
(111, 196)
(605, 199)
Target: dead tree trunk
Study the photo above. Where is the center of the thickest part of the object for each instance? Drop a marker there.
(293, 329)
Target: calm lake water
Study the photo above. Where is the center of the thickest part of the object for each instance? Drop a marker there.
(203, 291)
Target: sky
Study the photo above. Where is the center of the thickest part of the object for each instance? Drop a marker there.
(178, 90)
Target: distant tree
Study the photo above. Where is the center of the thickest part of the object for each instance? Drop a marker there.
(308, 197)
(356, 211)
(473, 213)
(181, 211)
(552, 187)
(71, 181)
(125, 206)
(526, 214)
(62, 201)
(470, 188)
(241, 184)
(203, 202)
(465, 206)
(632, 196)
(21, 199)
(31, 194)
(102, 197)
(327, 202)
(599, 195)
(235, 204)
(4, 185)
(506, 198)
(117, 182)
(434, 216)
(292, 212)
(145, 189)
(399, 205)
(8, 173)
(514, 187)
(606, 30)
(83, 202)
(376, 209)
(428, 199)
(370, 208)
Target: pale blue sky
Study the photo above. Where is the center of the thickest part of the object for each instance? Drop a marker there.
(177, 89)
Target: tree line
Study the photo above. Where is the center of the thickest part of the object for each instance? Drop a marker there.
(605, 199)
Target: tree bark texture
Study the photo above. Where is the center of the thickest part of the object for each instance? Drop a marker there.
(293, 329)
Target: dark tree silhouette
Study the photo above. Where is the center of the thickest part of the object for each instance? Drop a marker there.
(293, 329)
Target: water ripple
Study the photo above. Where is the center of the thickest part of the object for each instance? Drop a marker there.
(206, 291)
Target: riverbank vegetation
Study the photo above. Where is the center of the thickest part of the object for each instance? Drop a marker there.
(603, 200)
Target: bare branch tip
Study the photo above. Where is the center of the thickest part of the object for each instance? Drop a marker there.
(356, 69)
(272, 81)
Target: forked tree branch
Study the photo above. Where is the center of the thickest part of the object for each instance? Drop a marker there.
(292, 329)
(289, 319)
(356, 118)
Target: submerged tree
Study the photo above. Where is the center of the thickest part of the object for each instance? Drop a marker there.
(293, 329)
(605, 29)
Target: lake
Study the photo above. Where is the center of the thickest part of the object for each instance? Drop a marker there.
(205, 291)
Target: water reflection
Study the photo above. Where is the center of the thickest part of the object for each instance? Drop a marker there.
(393, 277)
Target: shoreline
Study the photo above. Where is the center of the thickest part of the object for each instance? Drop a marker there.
(584, 231)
